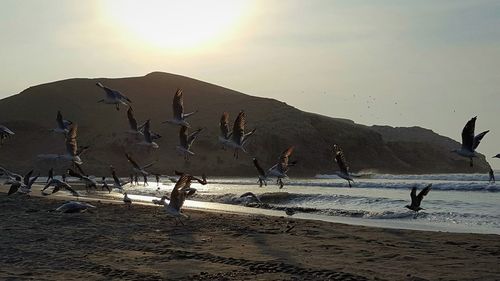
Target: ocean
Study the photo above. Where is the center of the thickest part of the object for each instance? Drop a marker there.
(464, 203)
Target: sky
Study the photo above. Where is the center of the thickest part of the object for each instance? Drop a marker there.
(428, 63)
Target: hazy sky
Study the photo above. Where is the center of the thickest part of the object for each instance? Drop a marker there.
(432, 63)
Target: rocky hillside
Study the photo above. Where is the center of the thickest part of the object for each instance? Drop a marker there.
(31, 114)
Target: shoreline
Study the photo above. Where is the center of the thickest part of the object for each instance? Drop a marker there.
(113, 241)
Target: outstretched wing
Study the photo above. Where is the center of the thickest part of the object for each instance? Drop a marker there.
(131, 119)
(478, 138)
(178, 104)
(71, 145)
(224, 125)
(193, 136)
(423, 193)
(285, 155)
(26, 178)
(74, 174)
(183, 136)
(147, 132)
(14, 187)
(258, 167)
(468, 134)
(129, 158)
(239, 128)
(59, 120)
(33, 180)
(413, 195)
(341, 161)
(177, 196)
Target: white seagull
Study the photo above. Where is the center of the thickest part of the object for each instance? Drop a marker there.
(24, 186)
(58, 184)
(5, 133)
(179, 117)
(186, 141)
(113, 97)
(281, 168)
(469, 141)
(136, 168)
(343, 171)
(148, 139)
(62, 124)
(181, 191)
(239, 137)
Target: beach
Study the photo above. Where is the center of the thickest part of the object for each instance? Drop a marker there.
(141, 243)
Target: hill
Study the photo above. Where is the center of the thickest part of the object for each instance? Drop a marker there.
(31, 114)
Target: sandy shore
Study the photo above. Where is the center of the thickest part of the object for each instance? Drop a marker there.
(142, 243)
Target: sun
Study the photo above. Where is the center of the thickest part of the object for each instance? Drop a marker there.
(181, 24)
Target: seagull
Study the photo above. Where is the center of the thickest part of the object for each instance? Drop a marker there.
(11, 176)
(136, 168)
(225, 133)
(72, 152)
(127, 200)
(148, 140)
(62, 124)
(417, 199)
(469, 141)
(113, 97)
(497, 156)
(262, 174)
(5, 133)
(87, 180)
(186, 141)
(58, 184)
(281, 168)
(239, 138)
(181, 191)
(179, 117)
(116, 181)
(132, 122)
(74, 207)
(342, 163)
(24, 186)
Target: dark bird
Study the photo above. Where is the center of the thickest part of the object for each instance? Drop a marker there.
(262, 173)
(89, 182)
(416, 200)
(343, 171)
(62, 124)
(469, 141)
(58, 185)
(24, 186)
(136, 168)
(186, 141)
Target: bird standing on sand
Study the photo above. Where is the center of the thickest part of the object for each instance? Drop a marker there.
(239, 137)
(186, 141)
(89, 182)
(58, 184)
(416, 200)
(179, 117)
(262, 173)
(281, 168)
(136, 168)
(5, 133)
(148, 140)
(181, 191)
(62, 124)
(113, 97)
(469, 141)
(127, 200)
(343, 171)
(24, 186)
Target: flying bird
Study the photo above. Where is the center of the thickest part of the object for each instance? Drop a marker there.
(62, 124)
(343, 171)
(113, 97)
(416, 200)
(239, 138)
(469, 141)
(89, 182)
(5, 133)
(262, 173)
(24, 186)
(225, 132)
(58, 185)
(132, 122)
(10, 176)
(116, 181)
(179, 117)
(497, 156)
(281, 168)
(136, 168)
(186, 141)
(148, 140)
(181, 191)
(72, 150)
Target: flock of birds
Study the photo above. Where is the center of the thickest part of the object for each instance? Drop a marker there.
(235, 139)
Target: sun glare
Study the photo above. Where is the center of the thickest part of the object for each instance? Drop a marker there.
(182, 24)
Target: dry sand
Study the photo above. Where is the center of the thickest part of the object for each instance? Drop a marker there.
(142, 243)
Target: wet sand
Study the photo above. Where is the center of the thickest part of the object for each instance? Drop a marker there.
(114, 242)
